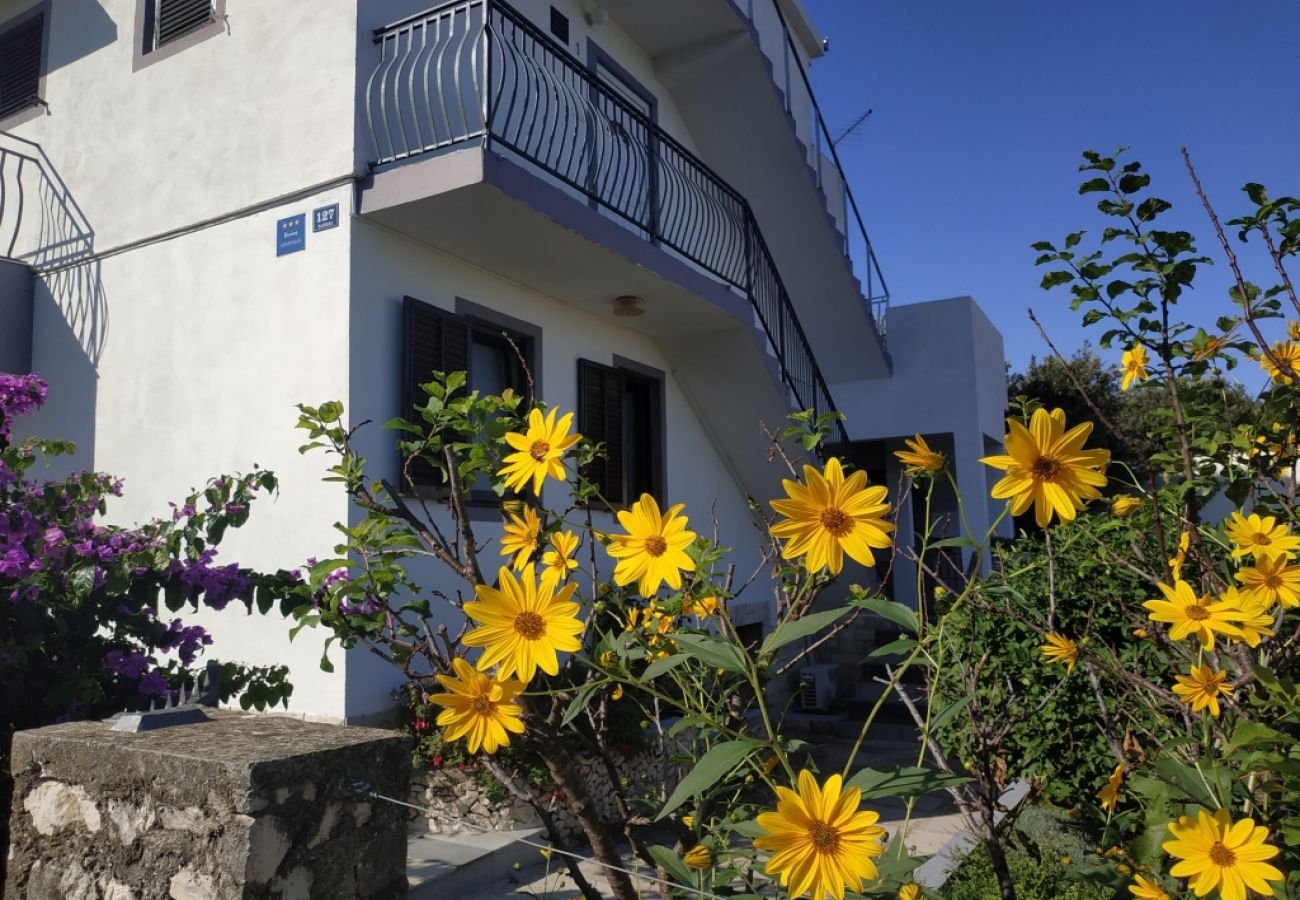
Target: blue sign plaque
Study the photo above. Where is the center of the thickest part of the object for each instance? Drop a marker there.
(324, 218)
(291, 234)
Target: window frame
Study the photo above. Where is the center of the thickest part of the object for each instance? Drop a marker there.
(145, 54)
(630, 370)
(37, 106)
(474, 319)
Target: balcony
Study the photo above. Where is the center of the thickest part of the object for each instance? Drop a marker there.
(476, 73)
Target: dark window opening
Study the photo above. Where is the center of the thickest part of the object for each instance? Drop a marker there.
(20, 65)
(623, 409)
(437, 341)
(170, 20)
(560, 25)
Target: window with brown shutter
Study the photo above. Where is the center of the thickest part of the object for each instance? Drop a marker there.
(432, 341)
(494, 357)
(170, 20)
(20, 65)
(623, 409)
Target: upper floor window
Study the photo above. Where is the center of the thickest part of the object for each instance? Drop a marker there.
(166, 27)
(495, 357)
(22, 44)
(171, 20)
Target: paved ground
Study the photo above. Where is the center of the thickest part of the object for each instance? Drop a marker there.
(933, 824)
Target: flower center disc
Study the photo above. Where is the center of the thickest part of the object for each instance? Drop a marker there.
(1196, 612)
(836, 521)
(1222, 856)
(655, 545)
(481, 704)
(538, 450)
(1260, 539)
(1046, 468)
(1273, 582)
(530, 625)
(825, 838)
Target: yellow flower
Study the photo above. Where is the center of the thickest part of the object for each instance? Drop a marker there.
(1212, 345)
(559, 562)
(520, 537)
(1194, 616)
(1134, 362)
(830, 515)
(1047, 467)
(1216, 853)
(1124, 506)
(618, 692)
(821, 843)
(654, 549)
(480, 708)
(539, 451)
(546, 852)
(688, 821)
(1176, 564)
(702, 608)
(1145, 889)
(1271, 580)
(1288, 355)
(1060, 649)
(698, 857)
(1257, 622)
(1109, 794)
(1203, 688)
(524, 625)
(1256, 535)
(911, 891)
(919, 459)
(1293, 330)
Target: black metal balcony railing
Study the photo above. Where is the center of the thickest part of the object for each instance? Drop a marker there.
(479, 70)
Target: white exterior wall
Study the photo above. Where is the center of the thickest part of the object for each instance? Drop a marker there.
(388, 266)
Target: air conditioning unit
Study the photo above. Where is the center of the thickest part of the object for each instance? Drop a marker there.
(817, 686)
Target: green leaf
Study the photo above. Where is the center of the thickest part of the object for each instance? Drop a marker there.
(787, 632)
(672, 864)
(893, 648)
(580, 702)
(711, 651)
(902, 781)
(949, 711)
(889, 609)
(1093, 185)
(658, 667)
(712, 768)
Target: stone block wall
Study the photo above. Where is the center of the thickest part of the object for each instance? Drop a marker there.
(243, 806)
(456, 801)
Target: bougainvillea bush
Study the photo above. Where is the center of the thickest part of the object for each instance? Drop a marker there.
(1151, 640)
(89, 613)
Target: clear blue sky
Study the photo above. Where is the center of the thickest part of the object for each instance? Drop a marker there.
(982, 109)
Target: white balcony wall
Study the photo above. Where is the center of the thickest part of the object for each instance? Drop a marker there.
(388, 266)
(147, 144)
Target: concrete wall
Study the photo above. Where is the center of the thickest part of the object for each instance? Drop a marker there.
(15, 317)
(388, 266)
(949, 378)
(240, 117)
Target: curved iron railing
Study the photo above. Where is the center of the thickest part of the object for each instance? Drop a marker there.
(479, 70)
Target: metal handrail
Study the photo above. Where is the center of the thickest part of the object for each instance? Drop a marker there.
(879, 301)
(479, 70)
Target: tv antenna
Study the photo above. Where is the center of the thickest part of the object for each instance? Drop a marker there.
(853, 126)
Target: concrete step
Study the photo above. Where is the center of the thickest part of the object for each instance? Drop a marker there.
(450, 865)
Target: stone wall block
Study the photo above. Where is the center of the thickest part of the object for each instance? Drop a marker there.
(244, 806)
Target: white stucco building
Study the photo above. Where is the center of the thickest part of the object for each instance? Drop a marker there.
(211, 210)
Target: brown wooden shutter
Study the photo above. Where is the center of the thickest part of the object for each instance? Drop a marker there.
(432, 341)
(600, 418)
(20, 65)
(177, 18)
